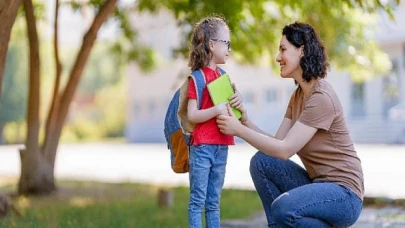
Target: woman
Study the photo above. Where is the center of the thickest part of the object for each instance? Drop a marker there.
(330, 190)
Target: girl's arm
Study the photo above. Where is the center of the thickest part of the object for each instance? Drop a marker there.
(196, 116)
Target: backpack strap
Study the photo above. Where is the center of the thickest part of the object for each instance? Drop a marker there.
(199, 81)
(221, 71)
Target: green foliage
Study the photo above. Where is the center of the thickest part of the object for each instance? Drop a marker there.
(13, 102)
(100, 71)
(39, 10)
(103, 119)
(80, 204)
(256, 28)
(111, 105)
(127, 48)
(15, 132)
(85, 129)
(14, 94)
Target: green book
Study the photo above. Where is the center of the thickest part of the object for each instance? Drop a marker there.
(221, 90)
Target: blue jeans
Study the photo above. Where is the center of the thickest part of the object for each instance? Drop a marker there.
(207, 174)
(291, 199)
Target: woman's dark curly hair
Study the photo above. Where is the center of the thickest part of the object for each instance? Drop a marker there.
(205, 30)
(314, 63)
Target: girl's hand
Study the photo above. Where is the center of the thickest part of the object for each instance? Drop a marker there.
(221, 109)
(236, 100)
(229, 124)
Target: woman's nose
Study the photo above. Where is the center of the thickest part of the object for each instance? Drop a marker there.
(278, 58)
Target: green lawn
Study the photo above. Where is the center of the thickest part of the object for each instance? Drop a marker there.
(92, 204)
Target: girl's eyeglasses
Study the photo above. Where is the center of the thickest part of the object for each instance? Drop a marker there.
(227, 42)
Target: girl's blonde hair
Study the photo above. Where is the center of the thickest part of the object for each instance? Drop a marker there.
(203, 32)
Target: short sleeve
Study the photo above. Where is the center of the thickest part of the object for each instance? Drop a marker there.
(318, 112)
(191, 94)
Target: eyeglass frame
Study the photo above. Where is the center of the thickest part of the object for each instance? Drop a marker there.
(227, 42)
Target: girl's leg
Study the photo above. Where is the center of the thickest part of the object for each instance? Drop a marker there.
(200, 164)
(272, 177)
(317, 205)
(215, 184)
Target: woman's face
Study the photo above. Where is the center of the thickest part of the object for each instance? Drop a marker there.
(289, 58)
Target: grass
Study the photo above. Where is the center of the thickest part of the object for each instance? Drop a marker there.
(94, 204)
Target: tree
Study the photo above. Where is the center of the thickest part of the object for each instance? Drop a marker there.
(256, 28)
(38, 161)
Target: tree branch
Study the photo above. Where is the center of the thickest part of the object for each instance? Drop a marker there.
(54, 107)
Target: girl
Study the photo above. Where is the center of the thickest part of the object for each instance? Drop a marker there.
(210, 45)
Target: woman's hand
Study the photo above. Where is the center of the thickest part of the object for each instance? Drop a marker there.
(245, 117)
(229, 124)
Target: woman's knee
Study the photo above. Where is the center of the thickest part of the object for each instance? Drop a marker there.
(282, 211)
(262, 163)
(256, 162)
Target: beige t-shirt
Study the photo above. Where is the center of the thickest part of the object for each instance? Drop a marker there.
(330, 154)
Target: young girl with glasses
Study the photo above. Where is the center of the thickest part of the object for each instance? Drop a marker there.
(210, 45)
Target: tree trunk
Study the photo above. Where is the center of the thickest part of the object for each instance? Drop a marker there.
(36, 173)
(8, 13)
(37, 176)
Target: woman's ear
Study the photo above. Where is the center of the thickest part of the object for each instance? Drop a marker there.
(302, 51)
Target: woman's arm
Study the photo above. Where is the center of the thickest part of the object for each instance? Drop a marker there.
(196, 116)
(295, 139)
(283, 129)
(281, 132)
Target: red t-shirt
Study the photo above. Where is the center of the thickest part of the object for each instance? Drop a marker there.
(208, 131)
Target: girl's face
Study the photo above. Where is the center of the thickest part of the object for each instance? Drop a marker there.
(220, 46)
(289, 58)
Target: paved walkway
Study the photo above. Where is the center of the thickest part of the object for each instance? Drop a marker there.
(388, 217)
(383, 166)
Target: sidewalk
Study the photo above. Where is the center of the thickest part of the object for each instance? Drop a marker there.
(383, 168)
(383, 165)
(387, 217)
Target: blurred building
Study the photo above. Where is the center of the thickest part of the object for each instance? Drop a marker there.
(372, 109)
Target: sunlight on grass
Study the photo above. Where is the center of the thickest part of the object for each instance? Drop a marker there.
(23, 202)
(81, 201)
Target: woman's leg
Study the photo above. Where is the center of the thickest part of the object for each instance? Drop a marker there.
(272, 177)
(317, 205)
(215, 184)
